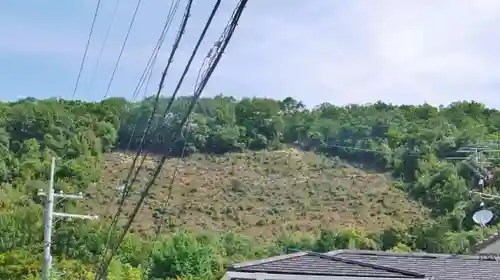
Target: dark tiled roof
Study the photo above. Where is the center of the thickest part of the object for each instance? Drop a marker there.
(319, 264)
(439, 266)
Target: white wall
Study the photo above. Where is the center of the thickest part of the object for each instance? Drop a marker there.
(492, 248)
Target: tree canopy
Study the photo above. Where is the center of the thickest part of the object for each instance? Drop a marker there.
(411, 143)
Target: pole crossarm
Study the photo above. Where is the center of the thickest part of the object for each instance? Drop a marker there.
(76, 216)
(485, 195)
(49, 214)
(62, 195)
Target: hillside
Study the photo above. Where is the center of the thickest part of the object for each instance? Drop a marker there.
(260, 193)
(256, 193)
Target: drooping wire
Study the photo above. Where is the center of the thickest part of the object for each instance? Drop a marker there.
(227, 32)
(160, 87)
(143, 145)
(148, 71)
(184, 146)
(96, 12)
(106, 36)
(124, 44)
(188, 65)
(145, 133)
(128, 182)
(164, 207)
(127, 188)
(145, 80)
(153, 113)
(154, 55)
(199, 89)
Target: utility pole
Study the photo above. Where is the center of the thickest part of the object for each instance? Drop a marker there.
(475, 158)
(49, 215)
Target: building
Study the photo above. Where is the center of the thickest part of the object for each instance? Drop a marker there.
(491, 245)
(367, 265)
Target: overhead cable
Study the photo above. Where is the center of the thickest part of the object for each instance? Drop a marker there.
(105, 40)
(164, 207)
(128, 180)
(142, 145)
(176, 90)
(124, 44)
(147, 72)
(96, 12)
(222, 44)
(126, 189)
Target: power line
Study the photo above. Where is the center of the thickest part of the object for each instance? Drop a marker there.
(227, 35)
(106, 35)
(188, 66)
(172, 54)
(128, 181)
(154, 54)
(127, 187)
(475, 157)
(122, 48)
(163, 211)
(155, 107)
(164, 207)
(160, 41)
(86, 47)
(208, 59)
(148, 70)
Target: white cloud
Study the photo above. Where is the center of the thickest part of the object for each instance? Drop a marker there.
(400, 51)
(350, 51)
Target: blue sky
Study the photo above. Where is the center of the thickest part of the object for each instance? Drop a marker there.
(345, 51)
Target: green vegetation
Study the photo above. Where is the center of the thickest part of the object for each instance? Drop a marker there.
(406, 143)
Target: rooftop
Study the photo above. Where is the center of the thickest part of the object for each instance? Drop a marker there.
(308, 263)
(377, 265)
(488, 244)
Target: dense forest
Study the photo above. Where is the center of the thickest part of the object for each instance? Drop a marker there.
(413, 144)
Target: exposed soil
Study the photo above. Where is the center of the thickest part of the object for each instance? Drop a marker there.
(258, 194)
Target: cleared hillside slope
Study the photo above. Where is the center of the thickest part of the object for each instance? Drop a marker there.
(259, 194)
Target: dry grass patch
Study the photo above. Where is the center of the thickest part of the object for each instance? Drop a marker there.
(259, 194)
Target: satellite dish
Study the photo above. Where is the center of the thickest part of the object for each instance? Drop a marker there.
(482, 217)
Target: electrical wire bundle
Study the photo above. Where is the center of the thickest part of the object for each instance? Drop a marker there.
(148, 71)
(145, 77)
(213, 60)
(142, 144)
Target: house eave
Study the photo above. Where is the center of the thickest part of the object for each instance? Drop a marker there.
(270, 276)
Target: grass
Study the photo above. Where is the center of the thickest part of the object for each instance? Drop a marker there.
(258, 194)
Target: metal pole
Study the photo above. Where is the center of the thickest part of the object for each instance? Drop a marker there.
(47, 232)
(49, 215)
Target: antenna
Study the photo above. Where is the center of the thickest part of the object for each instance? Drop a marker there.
(482, 217)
